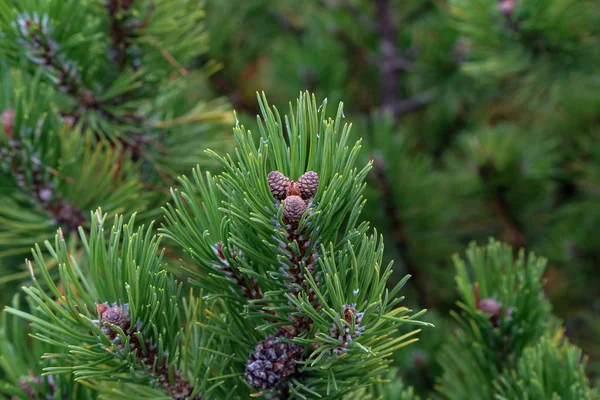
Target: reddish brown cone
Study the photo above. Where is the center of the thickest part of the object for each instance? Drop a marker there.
(293, 209)
(308, 183)
(278, 183)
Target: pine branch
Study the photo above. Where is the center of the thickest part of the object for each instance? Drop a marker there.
(123, 30)
(248, 285)
(409, 105)
(43, 50)
(34, 180)
(322, 305)
(145, 350)
(46, 52)
(296, 200)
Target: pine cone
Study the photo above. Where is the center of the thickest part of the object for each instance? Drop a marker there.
(308, 183)
(293, 209)
(278, 183)
(272, 363)
(117, 316)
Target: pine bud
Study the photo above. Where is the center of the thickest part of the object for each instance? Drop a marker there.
(490, 306)
(293, 209)
(278, 183)
(308, 183)
(8, 122)
(117, 316)
(507, 7)
(272, 363)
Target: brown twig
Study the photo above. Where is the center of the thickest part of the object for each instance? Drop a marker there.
(248, 285)
(411, 104)
(387, 47)
(123, 29)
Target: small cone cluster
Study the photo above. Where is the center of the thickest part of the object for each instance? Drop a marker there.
(295, 195)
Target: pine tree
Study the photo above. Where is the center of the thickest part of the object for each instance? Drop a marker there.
(289, 294)
(98, 108)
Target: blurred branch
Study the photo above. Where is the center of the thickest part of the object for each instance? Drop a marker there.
(406, 106)
(122, 32)
(502, 209)
(397, 227)
(387, 47)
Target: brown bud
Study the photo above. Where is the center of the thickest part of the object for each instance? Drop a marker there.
(308, 183)
(293, 189)
(101, 308)
(278, 183)
(8, 122)
(293, 209)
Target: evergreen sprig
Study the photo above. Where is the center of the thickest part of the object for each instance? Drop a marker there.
(552, 369)
(505, 327)
(314, 279)
(114, 316)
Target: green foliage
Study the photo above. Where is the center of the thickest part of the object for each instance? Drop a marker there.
(504, 346)
(536, 44)
(552, 369)
(114, 321)
(99, 111)
(123, 270)
(391, 388)
(22, 364)
(492, 131)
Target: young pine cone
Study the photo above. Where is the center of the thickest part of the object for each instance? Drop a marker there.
(272, 363)
(293, 209)
(278, 183)
(308, 183)
(117, 316)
